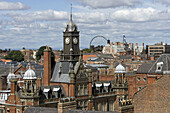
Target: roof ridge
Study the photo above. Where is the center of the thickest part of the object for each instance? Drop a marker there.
(154, 63)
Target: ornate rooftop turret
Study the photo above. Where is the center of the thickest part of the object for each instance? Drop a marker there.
(29, 74)
(120, 69)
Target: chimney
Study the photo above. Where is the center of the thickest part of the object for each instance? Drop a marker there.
(143, 51)
(152, 58)
(121, 44)
(47, 66)
(129, 45)
(13, 86)
(108, 41)
(116, 43)
(136, 44)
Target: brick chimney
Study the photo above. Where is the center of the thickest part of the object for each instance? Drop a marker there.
(13, 86)
(136, 44)
(111, 43)
(47, 66)
(152, 58)
(130, 45)
(143, 51)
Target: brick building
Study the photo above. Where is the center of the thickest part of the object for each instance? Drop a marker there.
(153, 98)
(67, 84)
(148, 73)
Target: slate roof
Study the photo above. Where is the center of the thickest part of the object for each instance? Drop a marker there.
(144, 68)
(41, 110)
(61, 72)
(81, 111)
(105, 56)
(96, 59)
(165, 58)
(5, 68)
(125, 57)
(152, 67)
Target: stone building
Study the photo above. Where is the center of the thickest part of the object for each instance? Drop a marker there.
(157, 49)
(123, 48)
(67, 84)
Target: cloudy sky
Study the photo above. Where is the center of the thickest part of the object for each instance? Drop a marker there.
(33, 23)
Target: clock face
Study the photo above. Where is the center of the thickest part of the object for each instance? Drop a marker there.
(67, 40)
(75, 40)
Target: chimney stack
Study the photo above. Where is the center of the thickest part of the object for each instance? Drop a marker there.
(136, 44)
(13, 86)
(108, 41)
(47, 66)
(129, 45)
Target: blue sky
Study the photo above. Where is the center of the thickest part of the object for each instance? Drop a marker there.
(33, 23)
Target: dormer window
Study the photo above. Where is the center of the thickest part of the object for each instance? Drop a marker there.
(159, 66)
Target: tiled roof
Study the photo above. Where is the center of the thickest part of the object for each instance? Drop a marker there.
(105, 56)
(126, 57)
(41, 110)
(154, 98)
(80, 111)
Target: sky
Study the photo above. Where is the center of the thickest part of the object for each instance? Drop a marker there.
(35, 23)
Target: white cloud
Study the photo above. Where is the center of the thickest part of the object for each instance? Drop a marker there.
(37, 28)
(108, 3)
(92, 17)
(140, 15)
(166, 2)
(12, 6)
(47, 15)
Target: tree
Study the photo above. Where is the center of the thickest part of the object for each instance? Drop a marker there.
(41, 52)
(15, 56)
(87, 50)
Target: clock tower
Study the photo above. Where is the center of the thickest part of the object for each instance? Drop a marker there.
(71, 42)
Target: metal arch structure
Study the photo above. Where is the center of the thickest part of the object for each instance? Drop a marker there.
(97, 37)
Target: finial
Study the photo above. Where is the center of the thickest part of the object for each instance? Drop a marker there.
(71, 12)
(29, 65)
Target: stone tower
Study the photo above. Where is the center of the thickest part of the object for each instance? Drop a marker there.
(71, 42)
(29, 93)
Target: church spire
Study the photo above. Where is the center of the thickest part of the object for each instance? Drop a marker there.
(70, 12)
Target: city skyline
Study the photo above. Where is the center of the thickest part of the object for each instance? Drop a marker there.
(32, 24)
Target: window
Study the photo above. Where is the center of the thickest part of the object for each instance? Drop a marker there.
(159, 66)
(18, 111)
(139, 88)
(111, 105)
(138, 79)
(144, 79)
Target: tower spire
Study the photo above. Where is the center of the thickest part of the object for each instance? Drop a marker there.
(70, 12)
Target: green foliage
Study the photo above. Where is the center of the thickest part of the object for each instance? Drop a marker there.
(0, 50)
(87, 50)
(41, 52)
(15, 56)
